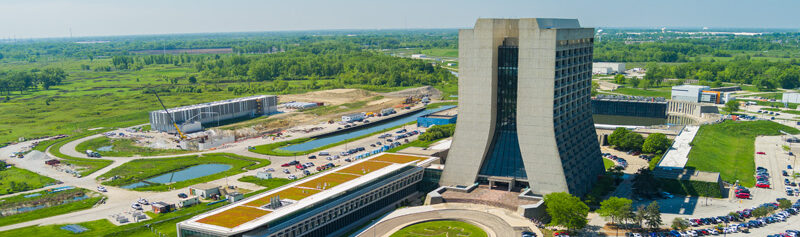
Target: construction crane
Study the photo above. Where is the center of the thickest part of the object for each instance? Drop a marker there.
(180, 134)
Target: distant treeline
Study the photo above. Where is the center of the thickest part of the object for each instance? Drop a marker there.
(763, 74)
(241, 43)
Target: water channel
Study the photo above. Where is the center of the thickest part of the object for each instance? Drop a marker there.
(193, 172)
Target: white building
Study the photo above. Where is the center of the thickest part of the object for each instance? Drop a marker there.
(418, 56)
(689, 93)
(791, 97)
(608, 68)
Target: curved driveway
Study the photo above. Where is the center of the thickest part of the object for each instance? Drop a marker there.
(496, 222)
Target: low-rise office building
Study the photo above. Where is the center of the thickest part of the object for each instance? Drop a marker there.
(328, 204)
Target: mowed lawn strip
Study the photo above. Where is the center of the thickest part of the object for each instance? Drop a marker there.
(440, 228)
(729, 147)
(141, 169)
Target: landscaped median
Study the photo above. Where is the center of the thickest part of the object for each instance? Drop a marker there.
(32, 206)
(441, 228)
(728, 148)
(142, 169)
(89, 165)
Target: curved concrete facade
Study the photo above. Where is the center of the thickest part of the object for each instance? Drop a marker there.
(555, 131)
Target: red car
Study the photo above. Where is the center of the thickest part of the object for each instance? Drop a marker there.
(743, 195)
(300, 167)
(285, 165)
(761, 153)
(762, 185)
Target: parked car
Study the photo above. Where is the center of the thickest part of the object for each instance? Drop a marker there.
(743, 195)
(763, 185)
(761, 153)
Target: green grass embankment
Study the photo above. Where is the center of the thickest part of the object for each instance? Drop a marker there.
(729, 147)
(121, 147)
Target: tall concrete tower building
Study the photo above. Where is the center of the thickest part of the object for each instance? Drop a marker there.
(524, 116)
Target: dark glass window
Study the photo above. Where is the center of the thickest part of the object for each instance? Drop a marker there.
(504, 157)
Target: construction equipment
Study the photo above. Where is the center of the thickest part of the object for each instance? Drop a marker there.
(180, 134)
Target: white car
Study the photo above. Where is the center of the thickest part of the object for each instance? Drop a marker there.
(136, 206)
(637, 235)
(714, 232)
(101, 189)
(692, 233)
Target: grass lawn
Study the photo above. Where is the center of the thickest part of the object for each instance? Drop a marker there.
(274, 148)
(440, 228)
(608, 163)
(163, 223)
(441, 52)
(89, 165)
(123, 148)
(15, 180)
(652, 92)
(728, 148)
(138, 170)
(20, 200)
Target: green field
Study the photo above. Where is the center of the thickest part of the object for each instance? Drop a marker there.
(440, 228)
(608, 163)
(137, 170)
(122, 147)
(440, 52)
(20, 200)
(652, 92)
(728, 148)
(15, 180)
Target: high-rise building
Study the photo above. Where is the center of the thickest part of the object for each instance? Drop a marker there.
(525, 117)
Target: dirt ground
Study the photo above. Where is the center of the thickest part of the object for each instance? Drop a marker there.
(335, 97)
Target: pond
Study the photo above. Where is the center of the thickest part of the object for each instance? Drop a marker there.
(378, 126)
(193, 172)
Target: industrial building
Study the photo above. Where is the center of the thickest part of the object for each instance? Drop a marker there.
(698, 94)
(192, 118)
(300, 105)
(791, 97)
(353, 117)
(443, 117)
(525, 117)
(608, 68)
(328, 204)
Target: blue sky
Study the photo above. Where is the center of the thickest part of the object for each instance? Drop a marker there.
(54, 18)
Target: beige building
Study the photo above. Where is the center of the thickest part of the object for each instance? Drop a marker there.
(525, 115)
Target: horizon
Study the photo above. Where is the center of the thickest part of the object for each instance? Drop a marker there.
(45, 19)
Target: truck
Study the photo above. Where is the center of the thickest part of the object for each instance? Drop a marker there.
(91, 153)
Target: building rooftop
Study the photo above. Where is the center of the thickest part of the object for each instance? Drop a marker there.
(677, 155)
(254, 211)
(204, 186)
(203, 105)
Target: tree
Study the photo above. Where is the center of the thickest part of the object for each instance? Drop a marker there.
(192, 79)
(784, 204)
(566, 210)
(679, 223)
(644, 182)
(632, 141)
(653, 216)
(656, 143)
(619, 79)
(615, 208)
(616, 136)
(640, 216)
(731, 106)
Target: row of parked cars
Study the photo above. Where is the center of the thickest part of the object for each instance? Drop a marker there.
(788, 233)
(762, 177)
(619, 160)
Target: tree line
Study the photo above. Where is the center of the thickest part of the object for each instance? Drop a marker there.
(33, 79)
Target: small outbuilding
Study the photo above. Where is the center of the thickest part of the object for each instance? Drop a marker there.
(162, 207)
(204, 190)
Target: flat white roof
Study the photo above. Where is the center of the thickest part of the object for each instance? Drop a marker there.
(677, 155)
